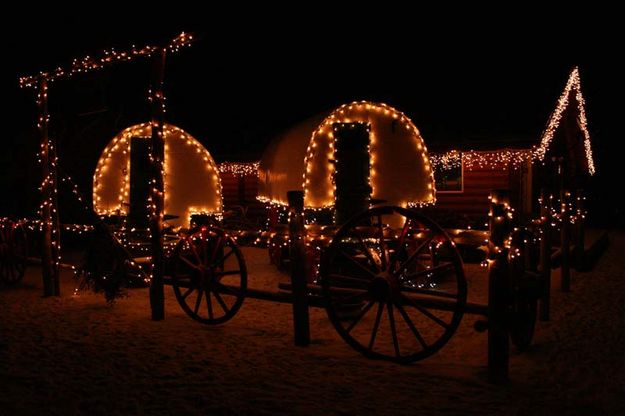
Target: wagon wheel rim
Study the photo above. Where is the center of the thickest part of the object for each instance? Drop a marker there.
(12, 253)
(393, 292)
(209, 276)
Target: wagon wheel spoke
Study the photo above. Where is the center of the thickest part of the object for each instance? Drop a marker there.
(432, 249)
(221, 302)
(400, 244)
(195, 253)
(198, 301)
(414, 255)
(367, 252)
(209, 304)
(204, 249)
(376, 325)
(433, 270)
(412, 326)
(383, 253)
(425, 312)
(361, 315)
(215, 251)
(391, 320)
(357, 263)
(188, 292)
(188, 262)
(223, 259)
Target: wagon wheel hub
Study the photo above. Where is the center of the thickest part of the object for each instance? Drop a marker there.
(208, 277)
(384, 287)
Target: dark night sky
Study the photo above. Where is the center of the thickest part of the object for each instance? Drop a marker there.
(248, 78)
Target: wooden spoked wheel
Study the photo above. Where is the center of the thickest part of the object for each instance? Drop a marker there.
(393, 284)
(209, 275)
(13, 251)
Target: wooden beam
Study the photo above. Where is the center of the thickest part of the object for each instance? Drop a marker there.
(498, 290)
(545, 258)
(157, 296)
(297, 248)
(565, 241)
(49, 255)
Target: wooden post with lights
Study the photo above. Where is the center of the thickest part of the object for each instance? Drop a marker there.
(49, 218)
(565, 244)
(49, 211)
(297, 234)
(579, 230)
(525, 202)
(545, 257)
(498, 288)
(157, 156)
(56, 223)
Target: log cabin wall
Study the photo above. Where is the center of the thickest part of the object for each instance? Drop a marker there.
(241, 191)
(473, 201)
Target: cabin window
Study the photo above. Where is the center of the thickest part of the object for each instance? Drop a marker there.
(449, 176)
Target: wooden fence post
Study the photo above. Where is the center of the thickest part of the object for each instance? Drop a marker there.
(545, 258)
(157, 158)
(56, 223)
(49, 214)
(297, 236)
(580, 261)
(565, 242)
(498, 289)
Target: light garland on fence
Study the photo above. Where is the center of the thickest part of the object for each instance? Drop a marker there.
(36, 225)
(47, 152)
(558, 210)
(239, 168)
(503, 220)
(204, 212)
(106, 58)
(48, 208)
(573, 84)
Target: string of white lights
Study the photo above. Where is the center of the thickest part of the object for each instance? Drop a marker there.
(106, 58)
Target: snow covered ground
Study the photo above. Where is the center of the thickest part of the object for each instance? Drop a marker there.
(76, 355)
